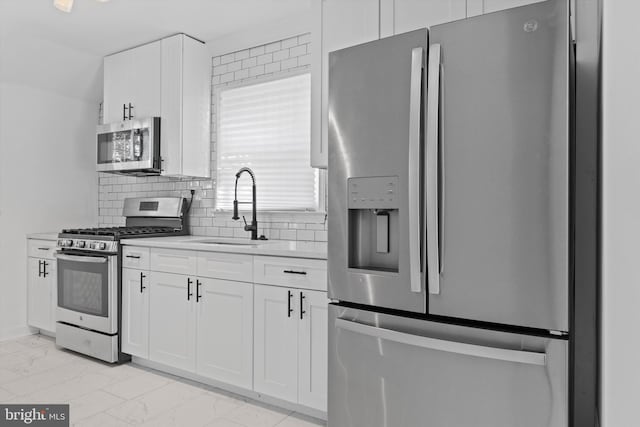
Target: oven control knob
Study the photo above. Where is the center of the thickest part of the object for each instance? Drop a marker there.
(80, 244)
(102, 246)
(68, 243)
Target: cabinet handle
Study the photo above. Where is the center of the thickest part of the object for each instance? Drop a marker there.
(289, 309)
(304, 273)
(43, 249)
(142, 286)
(124, 112)
(198, 296)
(302, 312)
(40, 268)
(133, 256)
(189, 293)
(130, 108)
(44, 269)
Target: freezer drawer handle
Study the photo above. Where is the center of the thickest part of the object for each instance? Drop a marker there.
(433, 173)
(415, 114)
(516, 356)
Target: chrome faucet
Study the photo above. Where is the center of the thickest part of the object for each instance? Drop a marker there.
(253, 228)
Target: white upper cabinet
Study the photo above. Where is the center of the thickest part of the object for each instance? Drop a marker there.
(132, 79)
(338, 24)
(185, 143)
(400, 16)
(480, 7)
(170, 79)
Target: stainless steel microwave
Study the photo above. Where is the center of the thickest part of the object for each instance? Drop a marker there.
(131, 147)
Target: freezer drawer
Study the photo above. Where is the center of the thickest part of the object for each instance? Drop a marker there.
(392, 371)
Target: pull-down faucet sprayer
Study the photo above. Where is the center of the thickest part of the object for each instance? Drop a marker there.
(254, 221)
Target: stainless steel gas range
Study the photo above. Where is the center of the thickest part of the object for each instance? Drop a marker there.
(89, 275)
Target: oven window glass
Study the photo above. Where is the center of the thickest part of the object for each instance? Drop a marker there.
(84, 286)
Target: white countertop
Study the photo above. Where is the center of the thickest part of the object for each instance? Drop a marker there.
(44, 236)
(285, 248)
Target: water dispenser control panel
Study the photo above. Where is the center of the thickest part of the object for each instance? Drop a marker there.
(376, 192)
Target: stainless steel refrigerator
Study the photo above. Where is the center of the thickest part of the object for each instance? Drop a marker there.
(449, 224)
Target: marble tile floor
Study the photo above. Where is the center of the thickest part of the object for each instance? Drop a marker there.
(34, 370)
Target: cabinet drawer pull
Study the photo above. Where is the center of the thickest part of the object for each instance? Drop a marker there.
(304, 273)
(133, 256)
(43, 249)
(289, 309)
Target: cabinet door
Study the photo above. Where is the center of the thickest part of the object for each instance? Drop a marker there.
(117, 85)
(479, 7)
(39, 295)
(275, 342)
(225, 331)
(400, 16)
(312, 349)
(51, 278)
(343, 24)
(135, 312)
(172, 320)
(145, 81)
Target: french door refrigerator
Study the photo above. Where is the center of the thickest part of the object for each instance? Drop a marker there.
(449, 224)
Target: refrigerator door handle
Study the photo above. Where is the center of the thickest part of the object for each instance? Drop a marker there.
(515, 356)
(432, 170)
(415, 114)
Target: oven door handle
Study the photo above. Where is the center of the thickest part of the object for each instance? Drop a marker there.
(91, 259)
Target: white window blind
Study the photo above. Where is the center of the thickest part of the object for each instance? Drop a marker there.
(266, 127)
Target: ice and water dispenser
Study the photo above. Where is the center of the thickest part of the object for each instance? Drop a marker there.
(373, 223)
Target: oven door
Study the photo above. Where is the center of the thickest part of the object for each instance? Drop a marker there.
(131, 145)
(88, 291)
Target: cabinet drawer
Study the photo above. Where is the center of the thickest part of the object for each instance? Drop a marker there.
(172, 261)
(225, 266)
(135, 257)
(292, 272)
(41, 248)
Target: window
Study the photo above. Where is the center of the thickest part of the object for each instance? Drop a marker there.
(266, 127)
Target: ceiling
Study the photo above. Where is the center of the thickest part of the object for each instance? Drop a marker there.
(103, 28)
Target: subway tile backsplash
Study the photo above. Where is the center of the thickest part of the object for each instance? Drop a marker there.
(271, 59)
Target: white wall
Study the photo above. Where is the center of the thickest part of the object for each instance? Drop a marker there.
(621, 214)
(48, 110)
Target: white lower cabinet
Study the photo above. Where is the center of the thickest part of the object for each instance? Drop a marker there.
(262, 337)
(313, 350)
(135, 312)
(225, 330)
(172, 320)
(290, 341)
(42, 293)
(275, 342)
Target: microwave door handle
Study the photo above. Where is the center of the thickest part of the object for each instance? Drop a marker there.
(432, 174)
(87, 259)
(415, 114)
